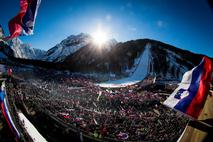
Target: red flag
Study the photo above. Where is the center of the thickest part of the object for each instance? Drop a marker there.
(10, 71)
(15, 23)
(24, 21)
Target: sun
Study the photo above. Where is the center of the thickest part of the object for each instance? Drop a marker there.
(99, 37)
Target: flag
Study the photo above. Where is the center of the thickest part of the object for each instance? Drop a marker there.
(96, 123)
(191, 94)
(66, 115)
(23, 22)
(28, 20)
(6, 112)
(99, 95)
(9, 72)
(78, 119)
(122, 136)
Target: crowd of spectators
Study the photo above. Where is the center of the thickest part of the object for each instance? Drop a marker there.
(103, 113)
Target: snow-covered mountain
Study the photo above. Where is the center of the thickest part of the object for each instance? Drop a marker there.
(124, 59)
(68, 46)
(71, 45)
(25, 51)
(78, 53)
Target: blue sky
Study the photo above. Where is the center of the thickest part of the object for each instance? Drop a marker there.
(187, 24)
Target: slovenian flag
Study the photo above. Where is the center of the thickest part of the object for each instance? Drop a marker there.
(6, 112)
(192, 92)
(24, 21)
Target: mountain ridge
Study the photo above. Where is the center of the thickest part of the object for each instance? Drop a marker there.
(23, 50)
(70, 45)
(118, 58)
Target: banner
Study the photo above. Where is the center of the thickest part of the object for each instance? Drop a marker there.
(192, 92)
(6, 111)
(24, 21)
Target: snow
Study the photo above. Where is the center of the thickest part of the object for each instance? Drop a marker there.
(139, 74)
(32, 131)
(67, 47)
(172, 61)
(63, 51)
(70, 45)
(25, 51)
(133, 69)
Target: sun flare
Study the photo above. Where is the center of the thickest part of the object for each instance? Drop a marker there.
(99, 37)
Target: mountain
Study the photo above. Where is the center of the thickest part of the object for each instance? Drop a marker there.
(15, 53)
(5, 51)
(164, 61)
(69, 46)
(78, 53)
(25, 51)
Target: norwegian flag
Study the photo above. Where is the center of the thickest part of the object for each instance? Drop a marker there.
(24, 21)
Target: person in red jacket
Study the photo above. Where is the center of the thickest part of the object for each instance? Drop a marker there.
(9, 73)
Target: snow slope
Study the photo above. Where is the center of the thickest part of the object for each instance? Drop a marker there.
(139, 74)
